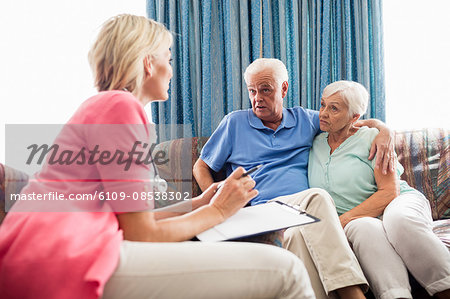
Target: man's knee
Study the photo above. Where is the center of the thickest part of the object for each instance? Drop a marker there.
(290, 234)
(321, 197)
(320, 193)
(311, 195)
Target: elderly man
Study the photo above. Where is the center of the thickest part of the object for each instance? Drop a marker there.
(280, 139)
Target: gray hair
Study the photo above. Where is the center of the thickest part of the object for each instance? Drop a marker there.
(280, 72)
(353, 93)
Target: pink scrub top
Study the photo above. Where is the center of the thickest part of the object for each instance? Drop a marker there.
(66, 254)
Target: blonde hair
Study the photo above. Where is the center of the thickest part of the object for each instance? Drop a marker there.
(353, 93)
(117, 56)
(280, 72)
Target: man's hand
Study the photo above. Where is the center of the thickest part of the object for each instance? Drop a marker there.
(382, 145)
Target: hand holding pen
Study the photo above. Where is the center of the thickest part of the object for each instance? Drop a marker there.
(252, 170)
(234, 193)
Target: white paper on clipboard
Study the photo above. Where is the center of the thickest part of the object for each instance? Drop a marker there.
(254, 220)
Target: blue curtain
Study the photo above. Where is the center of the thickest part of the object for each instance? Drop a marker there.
(320, 41)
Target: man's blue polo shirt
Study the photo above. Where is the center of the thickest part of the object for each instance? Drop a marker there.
(241, 139)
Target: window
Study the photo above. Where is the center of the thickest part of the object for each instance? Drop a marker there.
(44, 71)
(417, 63)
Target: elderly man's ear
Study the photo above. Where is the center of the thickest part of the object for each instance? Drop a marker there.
(284, 88)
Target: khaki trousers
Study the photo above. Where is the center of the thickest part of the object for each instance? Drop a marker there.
(322, 246)
(207, 270)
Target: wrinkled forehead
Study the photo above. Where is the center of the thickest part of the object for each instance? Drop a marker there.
(262, 78)
(335, 98)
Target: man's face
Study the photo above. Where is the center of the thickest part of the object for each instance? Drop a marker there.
(266, 96)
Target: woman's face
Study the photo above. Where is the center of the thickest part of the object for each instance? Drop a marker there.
(158, 81)
(333, 114)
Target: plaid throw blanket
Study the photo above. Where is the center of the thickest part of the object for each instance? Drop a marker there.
(425, 155)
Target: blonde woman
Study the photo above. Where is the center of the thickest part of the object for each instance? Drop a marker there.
(115, 251)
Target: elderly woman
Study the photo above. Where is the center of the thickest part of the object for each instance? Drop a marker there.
(130, 251)
(387, 222)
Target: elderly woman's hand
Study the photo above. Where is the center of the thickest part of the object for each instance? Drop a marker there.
(344, 220)
(382, 145)
(235, 193)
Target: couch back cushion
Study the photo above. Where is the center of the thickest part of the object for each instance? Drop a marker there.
(2, 193)
(182, 154)
(425, 155)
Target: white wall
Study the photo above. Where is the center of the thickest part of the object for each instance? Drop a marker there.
(417, 61)
(44, 72)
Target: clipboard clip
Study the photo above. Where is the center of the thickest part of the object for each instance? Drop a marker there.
(295, 208)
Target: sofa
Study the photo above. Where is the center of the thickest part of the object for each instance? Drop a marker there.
(424, 154)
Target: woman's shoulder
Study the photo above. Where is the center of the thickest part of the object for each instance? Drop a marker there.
(113, 106)
(113, 99)
(322, 136)
(367, 133)
(320, 139)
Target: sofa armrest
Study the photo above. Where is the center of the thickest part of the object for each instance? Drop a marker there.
(11, 181)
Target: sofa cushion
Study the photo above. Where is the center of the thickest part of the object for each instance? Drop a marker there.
(2, 193)
(425, 155)
(178, 170)
(442, 229)
(11, 182)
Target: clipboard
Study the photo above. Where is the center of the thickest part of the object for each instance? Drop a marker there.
(258, 219)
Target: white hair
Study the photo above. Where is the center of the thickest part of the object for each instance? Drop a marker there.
(354, 95)
(280, 72)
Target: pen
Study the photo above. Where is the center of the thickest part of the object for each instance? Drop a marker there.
(252, 170)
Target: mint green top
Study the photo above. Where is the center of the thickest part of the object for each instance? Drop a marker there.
(347, 174)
